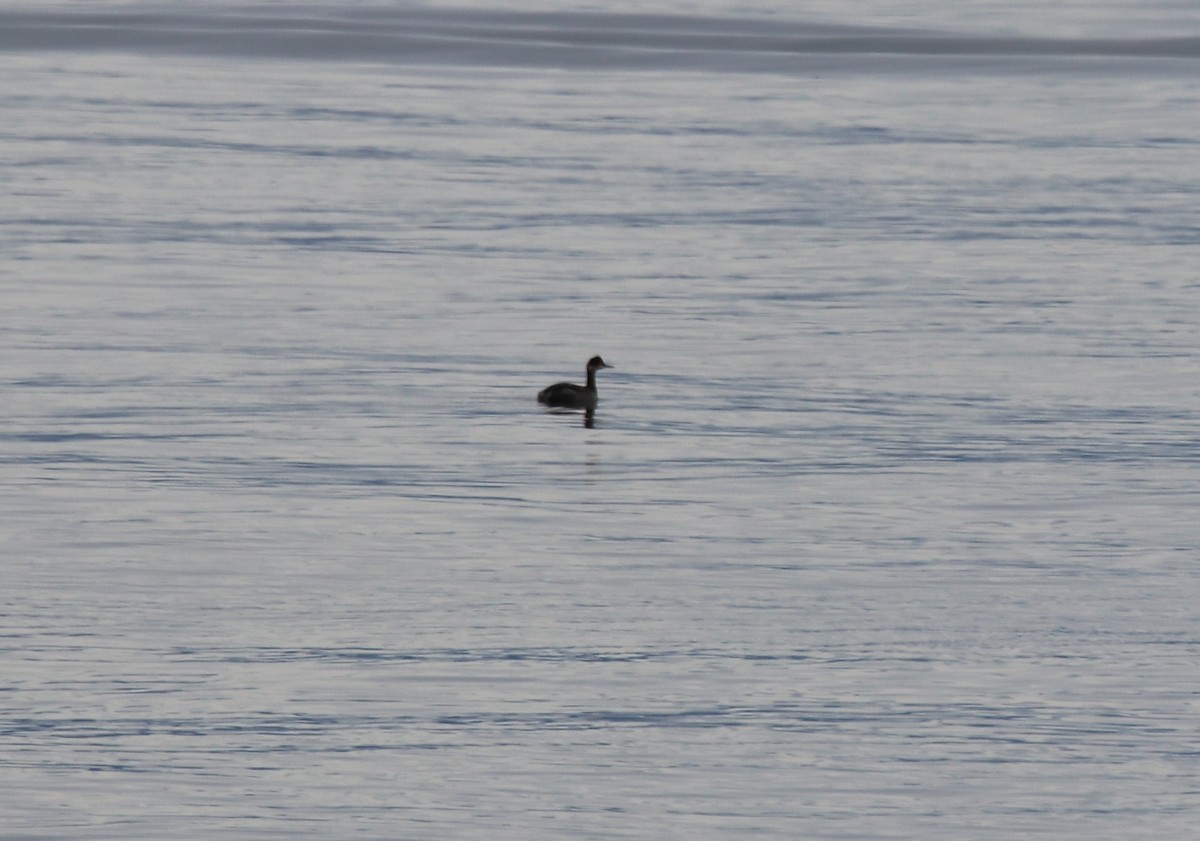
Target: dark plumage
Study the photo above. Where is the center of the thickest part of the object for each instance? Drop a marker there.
(571, 396)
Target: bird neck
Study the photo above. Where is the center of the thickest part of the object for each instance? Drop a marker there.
(591, 380)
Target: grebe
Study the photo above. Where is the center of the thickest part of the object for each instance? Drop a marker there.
(571, 396)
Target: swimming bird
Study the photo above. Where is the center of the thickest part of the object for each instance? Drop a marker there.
(571, 396)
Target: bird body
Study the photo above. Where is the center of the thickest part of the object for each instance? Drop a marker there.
(572, 396)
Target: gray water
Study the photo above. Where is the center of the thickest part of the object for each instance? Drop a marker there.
(886, 526)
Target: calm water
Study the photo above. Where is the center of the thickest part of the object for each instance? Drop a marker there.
(887, 524)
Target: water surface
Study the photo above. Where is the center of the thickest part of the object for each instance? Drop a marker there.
(885, 528)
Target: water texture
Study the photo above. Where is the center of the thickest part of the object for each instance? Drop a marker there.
(886, 524)
(569, 39)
